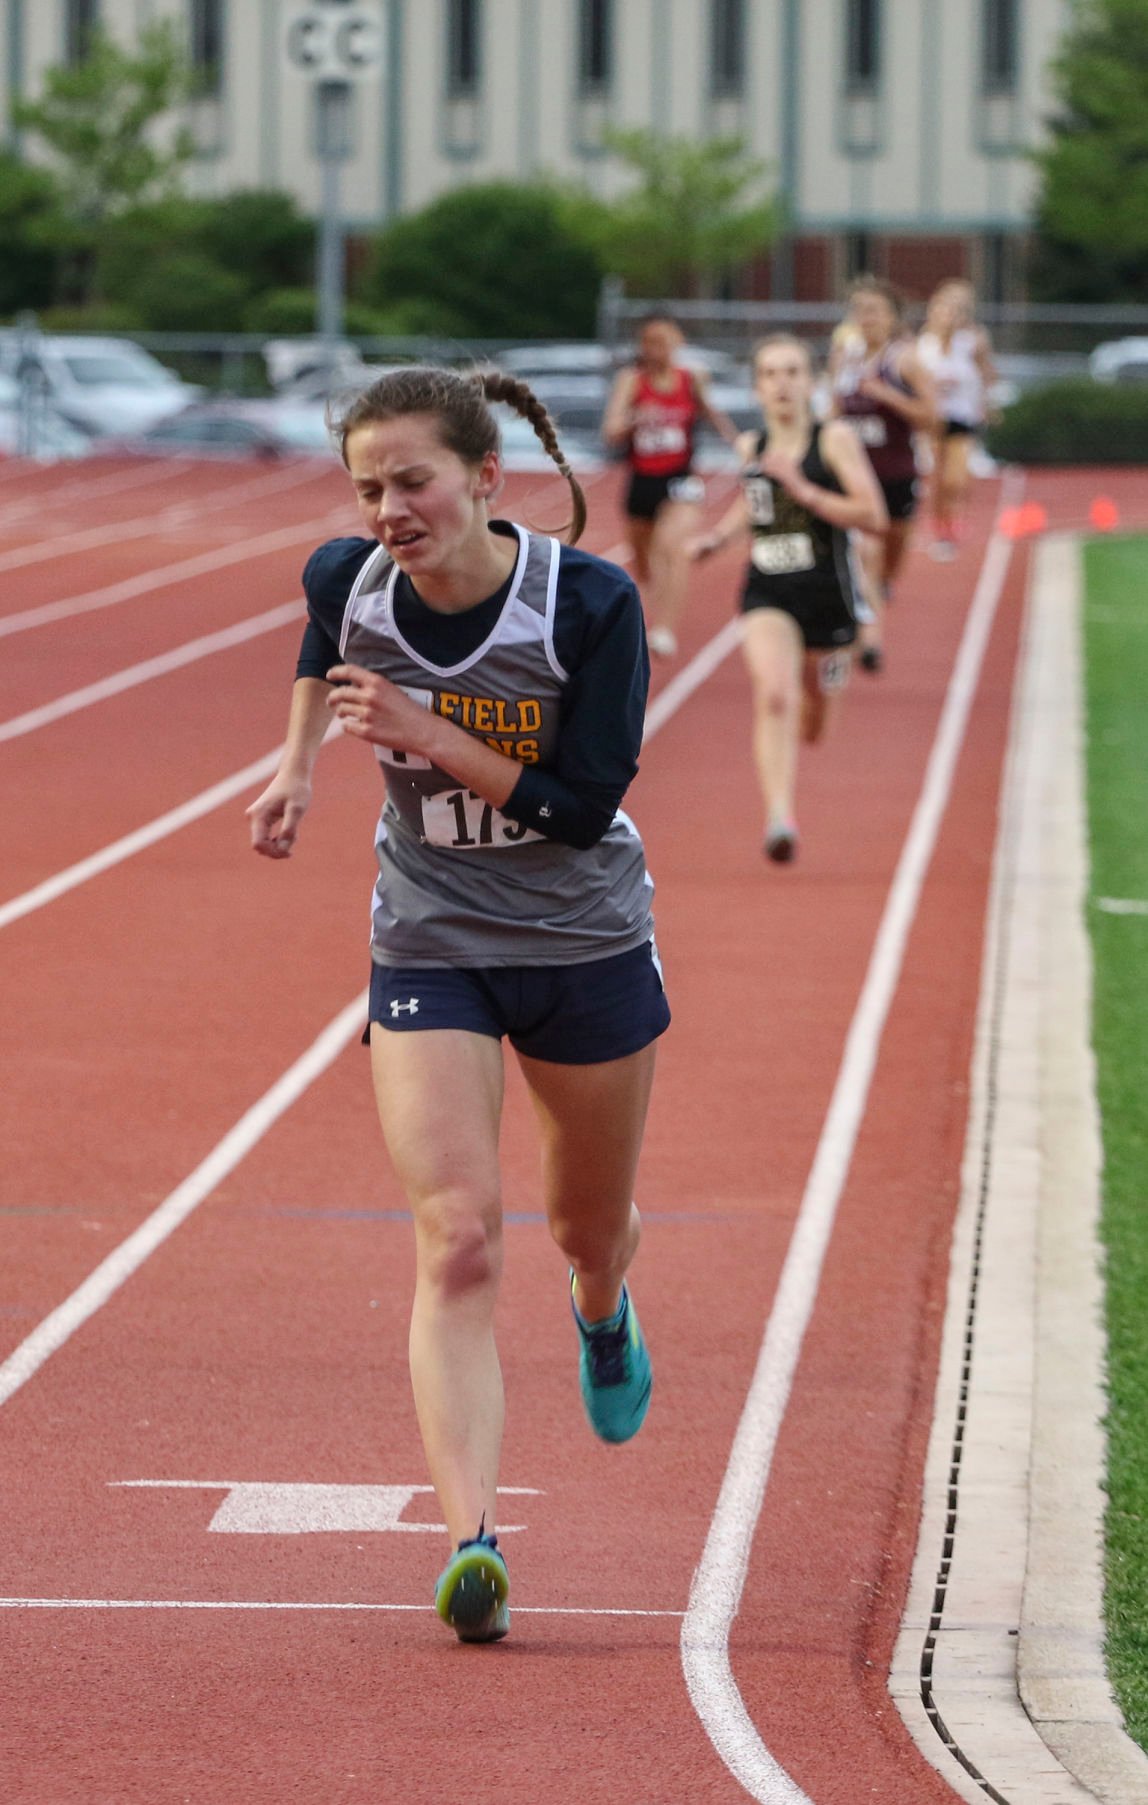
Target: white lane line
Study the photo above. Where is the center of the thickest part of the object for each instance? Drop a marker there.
(160, 666)
(152, 525)
(701, 666)
(263, 1604)
(180, 572)
(715, 1594)
(1122, 905)
(40, 501)
(140, 838)
(51, 1334)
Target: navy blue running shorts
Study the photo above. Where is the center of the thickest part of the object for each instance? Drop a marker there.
(567, 1014)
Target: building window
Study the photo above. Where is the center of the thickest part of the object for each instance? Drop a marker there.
(463, 47)
(727, 48)
(999, 46)
(81, 19)
(862, 45)
(595, 45)
(206, 46)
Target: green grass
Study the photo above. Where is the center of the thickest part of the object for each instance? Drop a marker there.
(1116, 648)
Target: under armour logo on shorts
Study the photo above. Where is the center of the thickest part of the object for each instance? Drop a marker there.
(409, 1008)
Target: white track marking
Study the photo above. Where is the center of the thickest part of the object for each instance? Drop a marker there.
(152, 526)
(186, 568)
(264, 1604)
(140, 838)
(129, 1256)
(1122, 905)
(135, 674)
(691, 676)
(96, 487)
(715, 1594)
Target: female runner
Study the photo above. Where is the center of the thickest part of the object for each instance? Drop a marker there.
(881, 387)
(805, 487)
(501, 678)
(652, 413)
(959, 356)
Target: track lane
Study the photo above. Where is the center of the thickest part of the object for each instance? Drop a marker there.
(619, 1700)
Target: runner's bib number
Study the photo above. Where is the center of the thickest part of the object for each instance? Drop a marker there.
(782, 553)
(461, 820)
(659, 441)
(871, 430)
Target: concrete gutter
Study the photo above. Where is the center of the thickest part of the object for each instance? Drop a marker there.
(999, 1669)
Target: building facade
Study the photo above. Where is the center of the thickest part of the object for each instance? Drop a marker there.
(898, 131)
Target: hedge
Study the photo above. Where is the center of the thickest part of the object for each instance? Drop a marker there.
(1077, 421)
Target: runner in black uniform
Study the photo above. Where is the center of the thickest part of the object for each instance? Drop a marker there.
(501, 679)
(804, 487)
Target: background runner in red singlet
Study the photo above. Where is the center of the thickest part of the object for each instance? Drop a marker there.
(652, 414)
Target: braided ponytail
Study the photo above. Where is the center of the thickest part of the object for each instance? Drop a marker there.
(459, 403)
(498, 386)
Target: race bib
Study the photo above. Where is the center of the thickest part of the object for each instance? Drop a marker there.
(461, 820)
(660, 440)
(686, 488)
(783, 553)
(871, 429)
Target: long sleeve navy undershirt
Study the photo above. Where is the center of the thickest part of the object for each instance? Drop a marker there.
(599, 640)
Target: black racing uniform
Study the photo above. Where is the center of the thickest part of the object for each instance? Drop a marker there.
(799, 563)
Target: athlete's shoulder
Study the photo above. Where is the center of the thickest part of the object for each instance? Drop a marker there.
(333, 567)
(595, 598)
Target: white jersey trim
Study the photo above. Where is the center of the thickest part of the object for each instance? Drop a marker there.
(551, 607)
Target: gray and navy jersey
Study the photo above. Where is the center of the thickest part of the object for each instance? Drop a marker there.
(552, 671)
(794, 553)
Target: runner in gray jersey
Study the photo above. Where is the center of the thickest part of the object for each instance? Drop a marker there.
(804, 487)
(501, 678)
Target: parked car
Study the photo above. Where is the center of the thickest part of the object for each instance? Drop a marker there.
(101, 385)
(523, 450)
(1120, 360)
(232, 429)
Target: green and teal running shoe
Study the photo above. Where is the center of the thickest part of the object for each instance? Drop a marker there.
(614, 1369)
(471, 1591)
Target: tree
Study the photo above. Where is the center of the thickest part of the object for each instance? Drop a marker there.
(496, 260)
(697, 210)
(1092, 213)
(28, 205)
(99, 119)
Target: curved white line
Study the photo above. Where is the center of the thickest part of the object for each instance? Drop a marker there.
(715, 1594)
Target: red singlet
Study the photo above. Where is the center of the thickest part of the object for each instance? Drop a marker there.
(662, 440)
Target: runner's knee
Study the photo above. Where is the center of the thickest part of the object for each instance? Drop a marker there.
(459, 1246)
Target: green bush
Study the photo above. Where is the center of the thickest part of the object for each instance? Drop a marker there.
(496, 260)
(1074, 422)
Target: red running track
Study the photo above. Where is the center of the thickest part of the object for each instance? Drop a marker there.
(263, 1344)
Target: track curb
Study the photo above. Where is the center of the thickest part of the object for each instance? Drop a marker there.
(999, 1668)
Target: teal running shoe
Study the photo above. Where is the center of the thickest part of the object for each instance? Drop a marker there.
(471, 1591)
(614, 1370)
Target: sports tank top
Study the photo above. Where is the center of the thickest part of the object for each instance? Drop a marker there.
(886, 435)
(793, 551)
(662, 436)
(460, 884)
(954, 369)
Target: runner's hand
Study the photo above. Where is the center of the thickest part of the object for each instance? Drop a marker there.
(371, 708)
(275, 816)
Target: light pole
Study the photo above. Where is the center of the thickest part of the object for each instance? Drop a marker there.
(335, 43)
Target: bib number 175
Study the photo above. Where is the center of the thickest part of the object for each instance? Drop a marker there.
(460, 819)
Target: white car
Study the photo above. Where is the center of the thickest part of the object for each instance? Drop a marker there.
(101, 385)
(36, 431)
(1120, 360)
